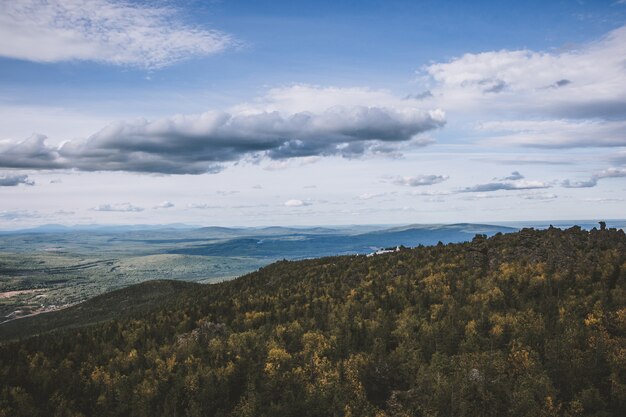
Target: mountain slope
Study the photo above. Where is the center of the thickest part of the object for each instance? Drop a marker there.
(529, 323)
(113, 305)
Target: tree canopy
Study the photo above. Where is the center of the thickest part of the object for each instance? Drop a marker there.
(524, 324)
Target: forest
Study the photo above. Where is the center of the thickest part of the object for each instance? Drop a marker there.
(531, 323)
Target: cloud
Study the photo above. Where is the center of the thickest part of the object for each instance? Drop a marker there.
(591, 80)
(123, 208)
(558, 99)
(202, 143)
(506, 186)
(539, 196)
(14, 180)
(593, 181)
(559, 133)
(12, 215)
(619, 158)
(203, 206)
(492, 86)
(296, 203)
(604, 200)
(431, 193)
(561, 83)
(526, 160)
(420, 180)
(515, 175)
(369, 196)
(107, 31)
(419, 96)
(164, 205)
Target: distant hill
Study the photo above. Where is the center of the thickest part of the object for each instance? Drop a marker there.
(59, 228)
(309, 243)
(531, 323)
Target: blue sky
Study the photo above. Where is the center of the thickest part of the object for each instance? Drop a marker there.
(257, 113)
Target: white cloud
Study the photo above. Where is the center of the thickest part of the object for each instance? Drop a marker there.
(585, 82)
(369, 196)
(420, 180)
(296, 203)
(559, 133)
(515, 175)
(539, 196)
(300, 98)
(431, 193)
(203, 206)
(123, 208)
(506, 186)
(572, 98)
(593, 181)
(164, 205)
(109, 31)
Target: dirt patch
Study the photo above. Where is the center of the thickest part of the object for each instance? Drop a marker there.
(10, 294)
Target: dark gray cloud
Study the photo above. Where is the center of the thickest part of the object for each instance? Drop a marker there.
(562, 83)
(420, 180)
(202, 143)
(15, 180)
(31, 153)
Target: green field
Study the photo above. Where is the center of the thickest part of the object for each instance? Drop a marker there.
(45, 272)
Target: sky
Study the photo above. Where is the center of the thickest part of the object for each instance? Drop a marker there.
(256, 113)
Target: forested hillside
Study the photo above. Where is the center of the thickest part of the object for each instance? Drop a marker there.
(525, 324)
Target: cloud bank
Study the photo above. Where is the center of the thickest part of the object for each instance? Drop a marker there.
(107, 31)
(197, 144)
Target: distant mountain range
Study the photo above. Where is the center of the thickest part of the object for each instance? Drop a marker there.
(281, 230)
